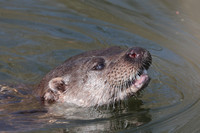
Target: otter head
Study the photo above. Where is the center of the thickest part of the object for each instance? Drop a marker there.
(97, 77)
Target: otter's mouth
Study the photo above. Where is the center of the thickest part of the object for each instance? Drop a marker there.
(139, 81)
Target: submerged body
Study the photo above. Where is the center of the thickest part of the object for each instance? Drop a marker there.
(97, 77)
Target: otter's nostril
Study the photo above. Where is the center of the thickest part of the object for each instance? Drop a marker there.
(133, 55)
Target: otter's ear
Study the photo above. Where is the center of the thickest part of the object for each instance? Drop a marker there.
(57, 84)
(55, 88)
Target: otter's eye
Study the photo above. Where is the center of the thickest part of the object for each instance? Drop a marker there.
(99, 66)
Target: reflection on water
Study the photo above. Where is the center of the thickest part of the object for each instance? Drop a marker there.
(38, 35)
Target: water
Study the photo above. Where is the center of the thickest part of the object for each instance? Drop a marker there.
(36, 36)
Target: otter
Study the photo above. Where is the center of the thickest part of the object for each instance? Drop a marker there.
(97, 77)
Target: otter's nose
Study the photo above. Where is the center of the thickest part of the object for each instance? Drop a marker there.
(136, 52)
